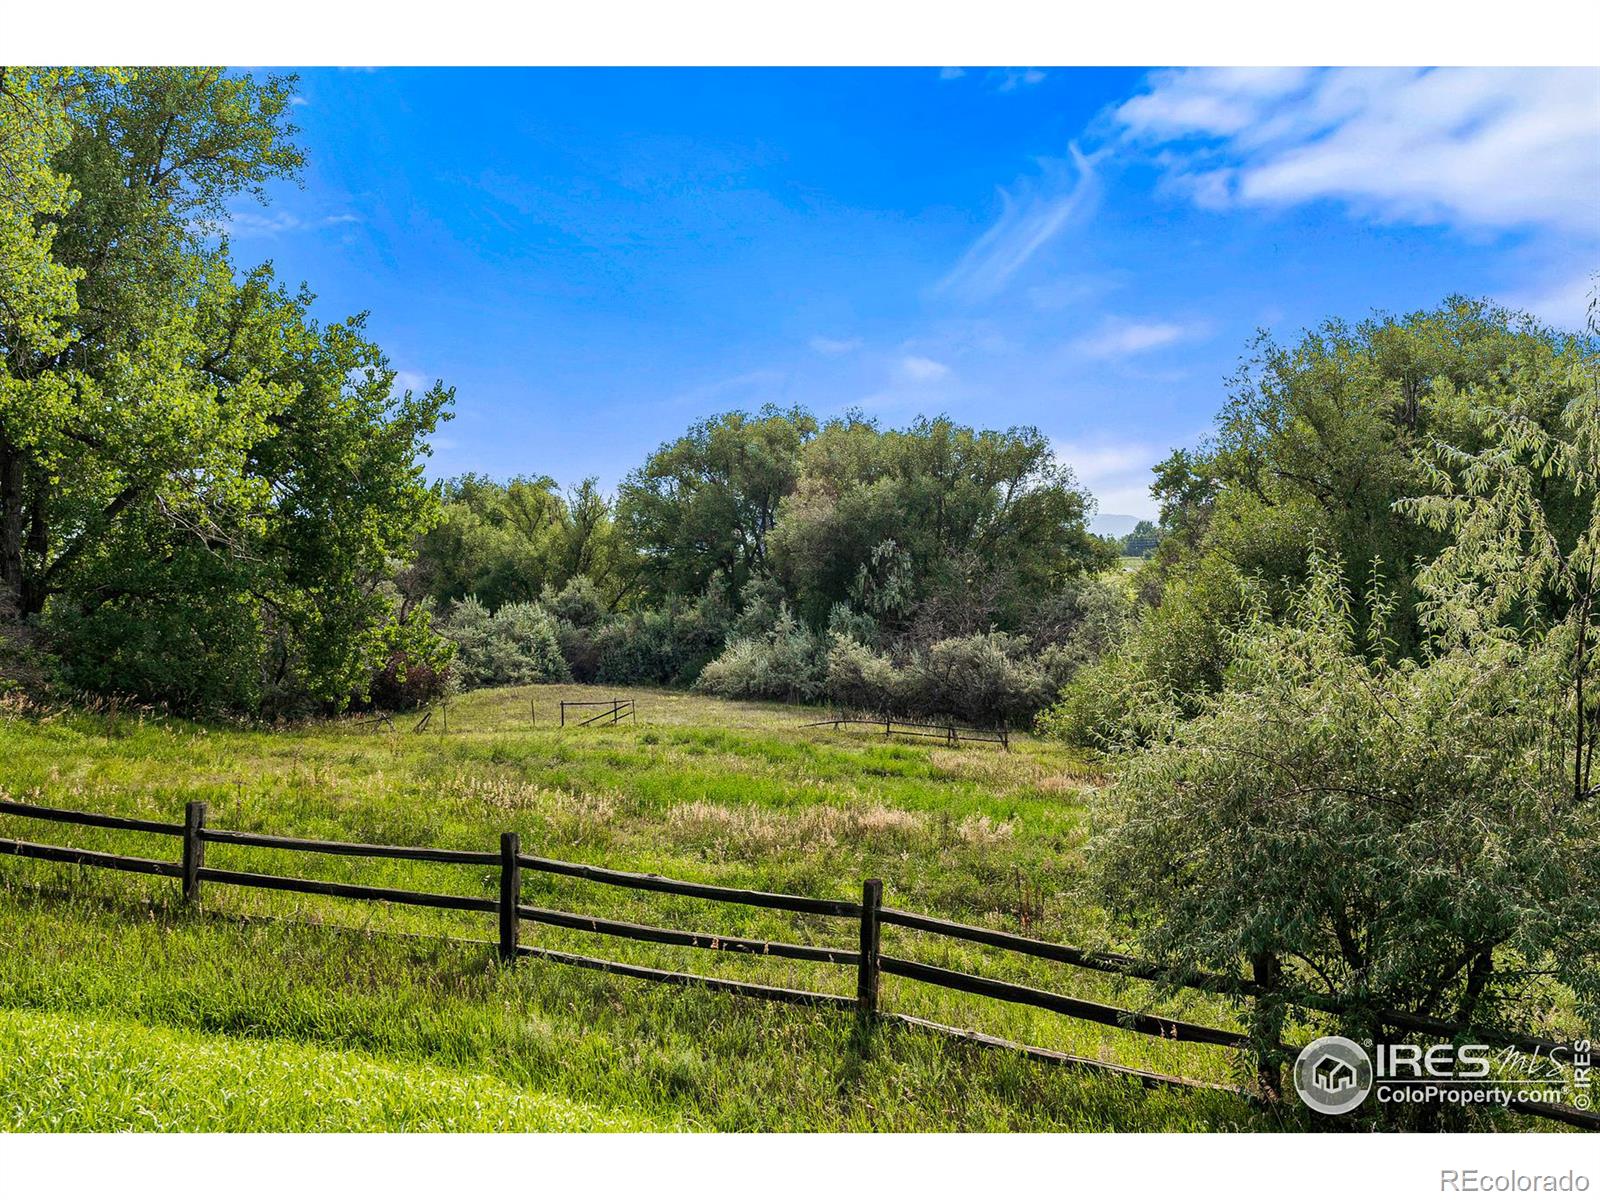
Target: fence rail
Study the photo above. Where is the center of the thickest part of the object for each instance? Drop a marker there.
(947, 732)
(868, 959)
(615, 712)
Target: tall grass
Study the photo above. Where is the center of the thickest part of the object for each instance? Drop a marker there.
(700, 789)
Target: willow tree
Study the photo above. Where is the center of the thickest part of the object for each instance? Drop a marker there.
(1416, 832)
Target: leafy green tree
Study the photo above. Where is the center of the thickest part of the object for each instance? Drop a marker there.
(1416, 832)
(199, 486)
(946, 506)
(1142, 541)
(702, 508)
(508, 542)
(1314, 447)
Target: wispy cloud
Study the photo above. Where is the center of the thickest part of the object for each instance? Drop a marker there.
(246, 223)
(1483, 148)
(410, 381)
(1068, 290)
(1563, 303)
(1118, 337)
(1116, 472)
(951, 72)
(747, 389)
(834, 347)
(1032, 214)
(1010, 79)
(923, 370)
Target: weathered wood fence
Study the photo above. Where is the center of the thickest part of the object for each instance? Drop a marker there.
(868, 914)
(615, 712)
(948, 732)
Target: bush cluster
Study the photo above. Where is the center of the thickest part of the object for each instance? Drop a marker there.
(516, 644)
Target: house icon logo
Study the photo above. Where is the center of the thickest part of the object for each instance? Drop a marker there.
(1333, 1075)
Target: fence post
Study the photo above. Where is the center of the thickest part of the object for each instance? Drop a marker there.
(867, 972)
(1266, 1025)
(194, 849)
(510, 895)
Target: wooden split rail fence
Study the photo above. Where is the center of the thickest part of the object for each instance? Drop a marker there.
(615, 712)
(869, 915)
(946, 732)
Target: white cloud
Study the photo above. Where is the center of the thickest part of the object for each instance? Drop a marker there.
(1482, 148)
(245, 223)
(1563, 303)
(410, 381)
(1120, 338)
(833, 347)
(1068, 290)
(951, 72)
(1031, 216)
(1116, 473)
(1013, 78)
(922, 370)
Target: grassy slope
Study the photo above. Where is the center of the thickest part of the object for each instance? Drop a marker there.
(66, 1073)
(701, 789)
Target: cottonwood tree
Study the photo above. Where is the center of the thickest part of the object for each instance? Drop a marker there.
(199, 485)
(962, 511)
(702, 508)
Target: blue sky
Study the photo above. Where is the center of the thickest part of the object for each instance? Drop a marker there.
(596, 258)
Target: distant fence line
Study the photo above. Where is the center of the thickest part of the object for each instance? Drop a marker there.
(869, 914)
(949, 732)
(616, 711)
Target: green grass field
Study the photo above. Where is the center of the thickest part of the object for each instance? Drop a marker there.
(121, 1010)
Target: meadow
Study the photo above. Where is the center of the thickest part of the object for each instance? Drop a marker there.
(121, 1009)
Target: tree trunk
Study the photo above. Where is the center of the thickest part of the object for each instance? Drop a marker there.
(11, 504)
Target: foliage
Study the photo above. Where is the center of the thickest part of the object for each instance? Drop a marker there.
(413, 663)
(513, 541)
(1317, 443)
(701, 509)
(1395, 834)
(986, 679)
(515, 644)
(199, 486)
(886, 518)
(1142, 540)
(785, 662)
(669, 644)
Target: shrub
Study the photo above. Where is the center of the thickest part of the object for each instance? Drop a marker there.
(1175, 652)
(414, 663)
(668, 646)
(986, 679)
(516, 645)
(580, 648)
(859, 679)
(578, 603)
(1409, 835)
(784, 663)
(860, 627)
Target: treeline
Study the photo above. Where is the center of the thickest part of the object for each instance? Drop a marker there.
(931, 569)
(212, 501)
(1353, 714)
